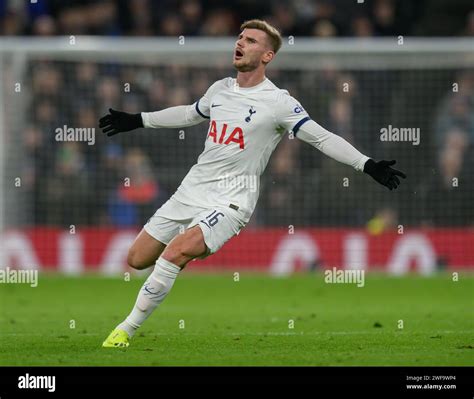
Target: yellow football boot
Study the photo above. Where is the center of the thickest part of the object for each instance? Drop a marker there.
(116, 339)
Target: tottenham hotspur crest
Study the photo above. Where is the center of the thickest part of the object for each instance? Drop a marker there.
(251, 112)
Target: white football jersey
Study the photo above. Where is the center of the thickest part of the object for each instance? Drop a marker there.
(245, 126)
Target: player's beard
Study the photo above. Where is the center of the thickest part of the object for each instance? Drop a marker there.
(246, 66)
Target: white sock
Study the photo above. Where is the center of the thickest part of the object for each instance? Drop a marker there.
(152, 293)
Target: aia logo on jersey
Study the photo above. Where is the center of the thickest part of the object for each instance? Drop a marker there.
(224, 137)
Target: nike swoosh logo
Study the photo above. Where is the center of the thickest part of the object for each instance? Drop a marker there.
(215, 105)
(150, 292)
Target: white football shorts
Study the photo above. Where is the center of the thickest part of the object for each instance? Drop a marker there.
(218, 223)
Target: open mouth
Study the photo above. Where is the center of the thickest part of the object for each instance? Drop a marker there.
(238, 54)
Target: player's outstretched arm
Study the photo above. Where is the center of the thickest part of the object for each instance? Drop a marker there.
(339, 149)
(173, 117)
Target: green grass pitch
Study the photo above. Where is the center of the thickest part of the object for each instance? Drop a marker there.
(243, 323)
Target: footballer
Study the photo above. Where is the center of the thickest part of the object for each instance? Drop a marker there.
(248, 116)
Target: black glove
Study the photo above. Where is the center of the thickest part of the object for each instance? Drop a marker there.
(117, 122)
(383, 173)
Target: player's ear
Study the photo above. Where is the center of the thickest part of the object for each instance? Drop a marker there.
(268, 56)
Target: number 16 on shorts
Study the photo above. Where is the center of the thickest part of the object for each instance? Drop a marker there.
(212, 219)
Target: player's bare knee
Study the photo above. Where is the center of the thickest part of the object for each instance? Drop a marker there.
(134, 261)
(173, 254)
(184, 248)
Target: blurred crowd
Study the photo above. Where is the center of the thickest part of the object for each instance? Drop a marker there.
(322, 18)
(121, 180)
